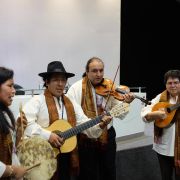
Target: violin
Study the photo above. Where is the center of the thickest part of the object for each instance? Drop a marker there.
(107, 88)
(124, 89)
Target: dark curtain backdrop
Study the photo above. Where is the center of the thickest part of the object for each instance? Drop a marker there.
(150, 42)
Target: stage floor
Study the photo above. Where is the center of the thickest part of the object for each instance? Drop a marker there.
(136, 160)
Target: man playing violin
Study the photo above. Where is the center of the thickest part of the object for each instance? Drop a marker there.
(97, 155)
(166, 138)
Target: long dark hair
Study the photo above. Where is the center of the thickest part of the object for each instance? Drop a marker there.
(5, 74)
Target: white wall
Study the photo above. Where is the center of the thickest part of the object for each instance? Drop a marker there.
(132, 123)
(36, 32)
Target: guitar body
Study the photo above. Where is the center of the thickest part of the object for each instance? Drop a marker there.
(62, 125)
(161, 123)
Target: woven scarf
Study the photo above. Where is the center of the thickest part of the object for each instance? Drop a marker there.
(53, 116)
(6, 146)
(158, 131)
(88, 106)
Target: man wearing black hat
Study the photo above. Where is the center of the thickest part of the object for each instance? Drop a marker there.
(43, 110)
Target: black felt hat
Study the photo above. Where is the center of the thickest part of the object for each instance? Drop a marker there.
(56, 67)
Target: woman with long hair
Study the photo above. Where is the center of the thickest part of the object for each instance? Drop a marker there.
(10, 130)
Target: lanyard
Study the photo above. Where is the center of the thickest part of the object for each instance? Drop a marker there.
(61, 107)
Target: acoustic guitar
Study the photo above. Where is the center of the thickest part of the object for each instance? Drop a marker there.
(66, 131)
(170, 110)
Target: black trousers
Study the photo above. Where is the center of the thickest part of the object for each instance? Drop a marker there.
(97, 164)
(167, 168)
(62, 172)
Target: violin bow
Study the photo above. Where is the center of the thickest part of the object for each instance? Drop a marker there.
(111, 86)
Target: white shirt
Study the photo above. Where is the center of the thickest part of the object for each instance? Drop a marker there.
(75, 94)
(37, 115)
(2, 168)
(166, 144)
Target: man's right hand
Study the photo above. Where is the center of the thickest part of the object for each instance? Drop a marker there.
(161, 114)
(55, 140)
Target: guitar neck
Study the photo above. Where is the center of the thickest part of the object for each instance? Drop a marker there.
(173, 107)
(116, 111)
(77, 129)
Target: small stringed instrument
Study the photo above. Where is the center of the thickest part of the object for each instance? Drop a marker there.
(67, 132)
(123, 91)
(170, 110)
